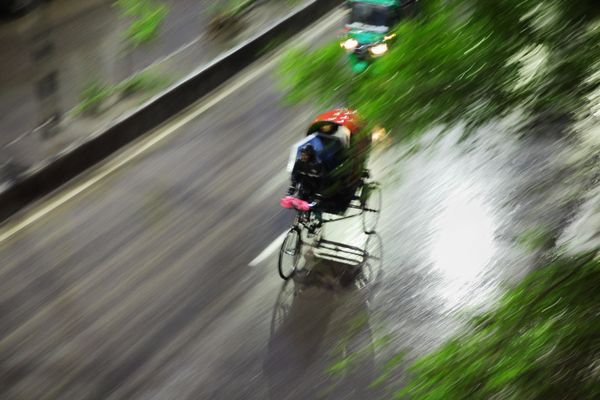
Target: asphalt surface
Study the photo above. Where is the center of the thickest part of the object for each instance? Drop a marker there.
(136, 283)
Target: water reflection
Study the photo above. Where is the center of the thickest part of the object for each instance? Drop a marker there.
(463, 242)
(321, 344)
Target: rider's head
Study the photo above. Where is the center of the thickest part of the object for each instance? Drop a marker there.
(307, 153)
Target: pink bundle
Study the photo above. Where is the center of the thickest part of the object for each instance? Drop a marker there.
(298, 204)
(287, 202)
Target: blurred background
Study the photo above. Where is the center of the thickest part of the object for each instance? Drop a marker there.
(153, 273)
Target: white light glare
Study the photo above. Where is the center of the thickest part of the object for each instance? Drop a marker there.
(379, 49)
(350, 44)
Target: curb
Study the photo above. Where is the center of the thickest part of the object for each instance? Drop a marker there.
(39, 182)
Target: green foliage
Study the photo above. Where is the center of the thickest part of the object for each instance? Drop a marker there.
(349, 351)
(542, 341)
(230, 8)
(388, 369)
(318, 75)
(272, 45)
(535, 238)
(147, 17)
(141, 82)
(92, 96)
(131, 8)
(462, 62)
(96, 92)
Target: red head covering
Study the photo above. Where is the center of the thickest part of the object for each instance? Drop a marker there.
(339, 116)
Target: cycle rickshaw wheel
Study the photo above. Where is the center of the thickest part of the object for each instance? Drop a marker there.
(373, 260)
(371, 206)
(289, 254)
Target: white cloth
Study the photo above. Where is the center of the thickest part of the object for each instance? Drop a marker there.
(343, 134)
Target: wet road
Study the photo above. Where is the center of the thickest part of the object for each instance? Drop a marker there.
(136, 284)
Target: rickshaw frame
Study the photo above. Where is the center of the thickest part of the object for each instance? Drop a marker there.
(357, 178)
(302, 223)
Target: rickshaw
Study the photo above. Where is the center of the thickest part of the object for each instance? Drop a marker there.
(348, 192)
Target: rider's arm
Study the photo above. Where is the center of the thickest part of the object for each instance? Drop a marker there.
(294, 183)
(318, 195)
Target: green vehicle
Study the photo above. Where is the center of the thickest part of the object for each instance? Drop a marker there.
(368, 30)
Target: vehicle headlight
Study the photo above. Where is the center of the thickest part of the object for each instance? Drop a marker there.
(350, 44)
(379, 49)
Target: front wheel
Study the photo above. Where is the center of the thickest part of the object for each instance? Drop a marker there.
(289, 254)
(371, 206)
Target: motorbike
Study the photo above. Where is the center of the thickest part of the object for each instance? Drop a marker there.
(367, 35)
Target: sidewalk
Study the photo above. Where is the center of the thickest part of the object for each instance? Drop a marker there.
(169, 58)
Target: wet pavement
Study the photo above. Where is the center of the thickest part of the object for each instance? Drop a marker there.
(77, 43)
(51, 54)
(139, 286)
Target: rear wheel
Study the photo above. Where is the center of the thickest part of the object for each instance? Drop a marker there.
(289, 254)
(371, 206)
(371, 268)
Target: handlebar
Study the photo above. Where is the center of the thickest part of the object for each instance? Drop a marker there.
(298, 204)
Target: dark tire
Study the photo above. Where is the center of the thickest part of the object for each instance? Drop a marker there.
(370, 202)
(289, 254)
(372, 266)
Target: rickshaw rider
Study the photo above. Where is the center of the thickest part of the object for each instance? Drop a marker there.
(307, 179)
